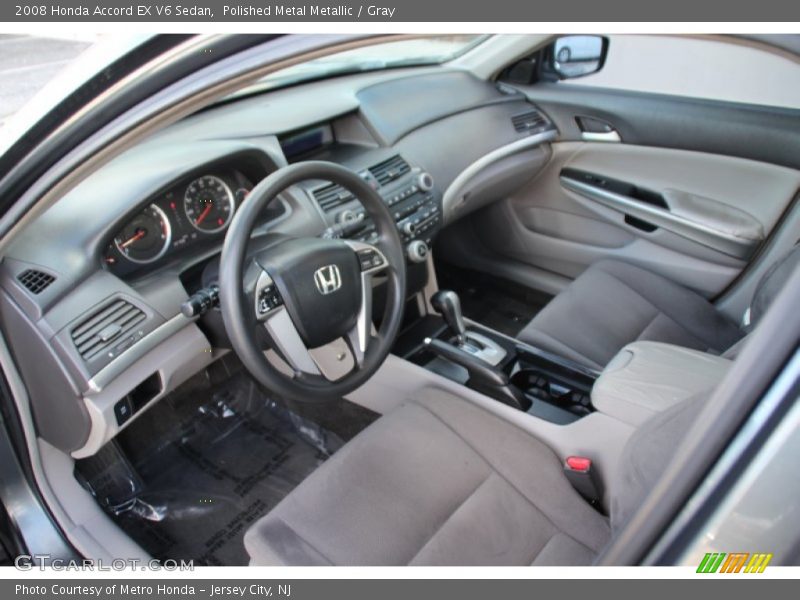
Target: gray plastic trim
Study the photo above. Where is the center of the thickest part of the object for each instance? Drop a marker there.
(490, 352)
(119, 365)
(360, 335)
(174, 360)
(26, 509)
(455, 190)
(697, 232)
(85, 523)
(287, 339)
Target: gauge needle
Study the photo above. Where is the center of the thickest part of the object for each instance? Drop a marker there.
(140, 233)
(204, 214)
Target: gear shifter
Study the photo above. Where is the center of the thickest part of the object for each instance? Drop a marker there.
(476, 353)
(447, 304)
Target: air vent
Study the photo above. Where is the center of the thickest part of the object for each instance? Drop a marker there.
(35, 281)
(106, 327)
(331, 196)
(528, 121)
(390, 169)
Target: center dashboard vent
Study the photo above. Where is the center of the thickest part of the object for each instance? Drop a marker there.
(390, 169)
(106, 326)
(35, 281)
(330, 196)
(529, 121)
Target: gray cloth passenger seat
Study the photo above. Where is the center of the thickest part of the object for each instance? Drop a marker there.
(614, 303)
(440, 481)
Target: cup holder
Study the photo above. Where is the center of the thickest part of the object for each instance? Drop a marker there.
(539, 385)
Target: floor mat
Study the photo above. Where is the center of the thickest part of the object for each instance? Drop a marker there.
(502, 305)
(190, 476)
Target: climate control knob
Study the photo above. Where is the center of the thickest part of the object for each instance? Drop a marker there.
(417, 251)
(409, 228)
(425, 181)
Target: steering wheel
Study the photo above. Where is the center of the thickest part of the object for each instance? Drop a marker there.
(306, 292)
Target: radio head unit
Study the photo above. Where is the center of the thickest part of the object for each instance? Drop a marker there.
(409, 193)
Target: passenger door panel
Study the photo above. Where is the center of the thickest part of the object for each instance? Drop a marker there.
(702, 196)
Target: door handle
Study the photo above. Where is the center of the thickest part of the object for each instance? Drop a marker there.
(596, 130)
(609, 136)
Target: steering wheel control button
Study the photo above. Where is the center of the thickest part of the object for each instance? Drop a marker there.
(269, 299)
(267, 296)
(370, 259)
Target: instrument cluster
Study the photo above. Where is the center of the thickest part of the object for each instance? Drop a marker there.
(190, 214)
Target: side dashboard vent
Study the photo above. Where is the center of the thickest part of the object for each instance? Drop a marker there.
(107, 325)
(528, 121)
(330, 196)
(35, 281)
(389, 170)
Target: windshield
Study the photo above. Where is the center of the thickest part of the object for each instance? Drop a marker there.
(431, 50)
(29, 62)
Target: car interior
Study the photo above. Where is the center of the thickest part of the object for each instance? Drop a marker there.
(422, 312)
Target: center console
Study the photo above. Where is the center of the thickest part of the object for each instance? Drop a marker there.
(530, 379)
(409, 193)
(643, 379)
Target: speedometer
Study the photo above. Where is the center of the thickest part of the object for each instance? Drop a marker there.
(146, 237)
(209, 204)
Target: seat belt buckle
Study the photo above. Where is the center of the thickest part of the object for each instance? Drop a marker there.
(578, 470)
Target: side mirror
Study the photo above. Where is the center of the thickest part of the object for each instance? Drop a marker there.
(578, 55)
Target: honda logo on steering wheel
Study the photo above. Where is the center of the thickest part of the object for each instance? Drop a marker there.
(328, 279)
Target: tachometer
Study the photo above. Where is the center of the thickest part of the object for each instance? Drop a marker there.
(209, 204)
(146, 237)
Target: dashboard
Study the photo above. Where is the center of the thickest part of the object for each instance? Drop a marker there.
(91, 291)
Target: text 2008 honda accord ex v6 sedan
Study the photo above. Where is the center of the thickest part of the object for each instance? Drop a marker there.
(375, 300)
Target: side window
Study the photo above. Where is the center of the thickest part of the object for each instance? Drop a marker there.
(698, 67)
